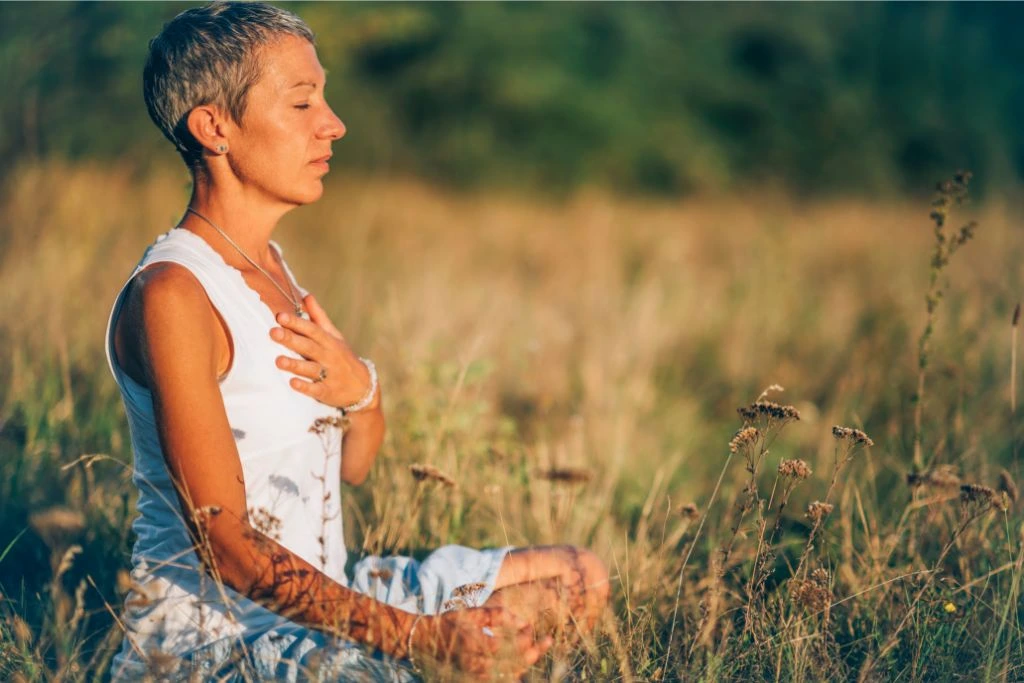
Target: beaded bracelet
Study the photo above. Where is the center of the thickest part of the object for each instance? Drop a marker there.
(370, 393)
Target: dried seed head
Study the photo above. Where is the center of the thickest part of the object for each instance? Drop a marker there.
(468, 589)
(942, 476)
(817, 511)
(743, 438)
(852, 435)
(425, 472)
(820, 576)
(454, 604)
(22, 631)
(266, 522)
(566, 475)
(1008, 486)
(689, 511)
(321, 424)
(796, 469)
(984, 497)
(769, 410)
(810, 595)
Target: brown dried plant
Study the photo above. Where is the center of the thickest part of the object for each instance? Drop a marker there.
(950, 195)
(566, 475)
(421, 472)
(790, 473)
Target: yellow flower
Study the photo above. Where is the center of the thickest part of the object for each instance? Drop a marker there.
(949, 607)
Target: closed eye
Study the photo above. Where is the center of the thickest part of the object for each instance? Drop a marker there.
(302, 106)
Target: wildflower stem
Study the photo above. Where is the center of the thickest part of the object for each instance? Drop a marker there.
(689, 552)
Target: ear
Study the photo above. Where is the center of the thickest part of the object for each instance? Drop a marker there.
(208, 126)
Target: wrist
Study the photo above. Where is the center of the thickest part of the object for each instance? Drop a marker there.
(371, 396)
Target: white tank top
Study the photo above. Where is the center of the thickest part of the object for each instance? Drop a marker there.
(291, 469)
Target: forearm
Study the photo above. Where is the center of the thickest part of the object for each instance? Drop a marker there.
(268, 573)
(364, 434)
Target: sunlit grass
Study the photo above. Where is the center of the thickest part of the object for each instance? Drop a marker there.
(575, 368)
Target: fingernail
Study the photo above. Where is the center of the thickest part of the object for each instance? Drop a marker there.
(282, 317)
(276, 333)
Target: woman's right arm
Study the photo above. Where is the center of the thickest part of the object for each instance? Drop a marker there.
(175, 336)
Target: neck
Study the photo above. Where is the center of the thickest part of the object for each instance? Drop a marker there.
(245, 215)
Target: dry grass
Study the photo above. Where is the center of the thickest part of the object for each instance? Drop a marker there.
(574, 370)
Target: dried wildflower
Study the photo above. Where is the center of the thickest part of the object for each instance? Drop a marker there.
(453, 604)
(1008, 486)
(468, 589)
(265, 522)
(689, 511)
(424, 472)
(820, 576)
(796, 469)
(769, 410)
(743, 438)
(943, 477)
(22, 631)
(566, 475)
(852, 435)
(320, 424)
(810, 595)
(984, 497)
(817, 511)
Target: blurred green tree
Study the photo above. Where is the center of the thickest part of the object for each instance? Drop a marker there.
(651, 97)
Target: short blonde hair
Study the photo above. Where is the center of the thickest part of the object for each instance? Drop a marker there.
(210, 55)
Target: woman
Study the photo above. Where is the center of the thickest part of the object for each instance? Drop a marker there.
(235, 380)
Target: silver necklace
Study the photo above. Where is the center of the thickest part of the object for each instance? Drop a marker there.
(296, 302)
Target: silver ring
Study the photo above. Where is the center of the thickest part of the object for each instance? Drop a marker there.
(322, 375)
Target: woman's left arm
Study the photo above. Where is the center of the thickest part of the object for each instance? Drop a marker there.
(325, 352)
(362, 440)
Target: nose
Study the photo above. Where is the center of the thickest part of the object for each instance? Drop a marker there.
(333, 128)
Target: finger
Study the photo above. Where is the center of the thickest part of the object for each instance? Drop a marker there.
(303, 368)
(304, 327)
(300, 344)
(319, 315)
(533, 653)
(314, 389)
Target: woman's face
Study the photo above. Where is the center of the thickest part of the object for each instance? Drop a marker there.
(282, 145)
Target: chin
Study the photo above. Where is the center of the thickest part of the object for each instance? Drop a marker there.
(309, 194)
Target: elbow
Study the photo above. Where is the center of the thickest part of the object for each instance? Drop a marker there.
(226, 551)
(355, 478)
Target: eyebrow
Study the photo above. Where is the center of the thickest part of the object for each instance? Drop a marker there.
(311, 84)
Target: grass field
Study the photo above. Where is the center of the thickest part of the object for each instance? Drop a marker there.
(576, 367)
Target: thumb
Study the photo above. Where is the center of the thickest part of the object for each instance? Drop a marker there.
(318, 315)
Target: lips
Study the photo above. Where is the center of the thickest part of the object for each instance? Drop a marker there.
(322, 160)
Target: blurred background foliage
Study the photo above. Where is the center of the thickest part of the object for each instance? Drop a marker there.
(660, 98)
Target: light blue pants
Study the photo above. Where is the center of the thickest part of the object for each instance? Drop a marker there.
(451, 577)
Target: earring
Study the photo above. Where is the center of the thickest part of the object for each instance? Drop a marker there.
(222, 149)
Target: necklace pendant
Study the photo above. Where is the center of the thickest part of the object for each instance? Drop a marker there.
(299, 311)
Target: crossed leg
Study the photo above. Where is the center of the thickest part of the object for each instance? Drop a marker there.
(559, 588)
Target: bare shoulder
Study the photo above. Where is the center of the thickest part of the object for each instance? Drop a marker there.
(165, 314)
